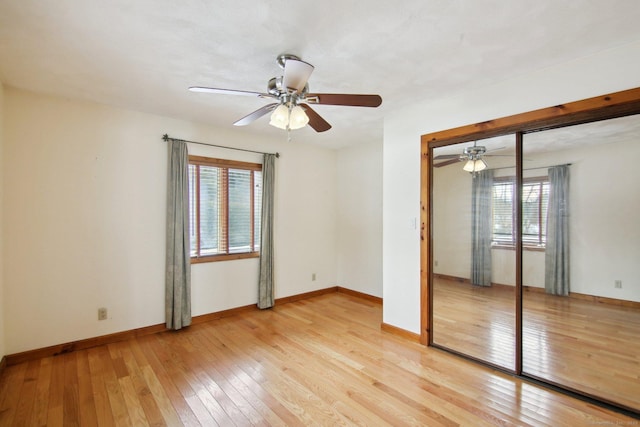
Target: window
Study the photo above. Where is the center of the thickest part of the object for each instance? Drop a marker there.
(535, 199)
(225, 200)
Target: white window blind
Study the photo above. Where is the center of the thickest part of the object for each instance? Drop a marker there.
(502, 208)
(225, 204)
(240, 211)
(257, 207)
(535, 199)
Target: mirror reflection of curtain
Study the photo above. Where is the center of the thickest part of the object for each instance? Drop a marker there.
(481, 227)
(556, 275)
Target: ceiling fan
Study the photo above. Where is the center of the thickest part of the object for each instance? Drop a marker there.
(290, 93)
(473, 156)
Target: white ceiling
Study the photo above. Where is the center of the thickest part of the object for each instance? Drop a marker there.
(143, 54)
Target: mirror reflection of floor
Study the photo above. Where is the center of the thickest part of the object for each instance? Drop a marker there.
(584, 345)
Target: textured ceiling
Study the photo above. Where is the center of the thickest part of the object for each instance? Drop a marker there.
(143, 54)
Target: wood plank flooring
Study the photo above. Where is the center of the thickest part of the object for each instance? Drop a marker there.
(581, 344)
(321, 361)
(478, 321)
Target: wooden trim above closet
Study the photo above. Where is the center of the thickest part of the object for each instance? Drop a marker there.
(618, 104)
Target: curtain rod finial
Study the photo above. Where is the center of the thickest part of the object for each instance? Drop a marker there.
(277, 155)
(165, 136)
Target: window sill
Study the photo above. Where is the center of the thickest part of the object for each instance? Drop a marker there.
(226, 257)
(524, 248)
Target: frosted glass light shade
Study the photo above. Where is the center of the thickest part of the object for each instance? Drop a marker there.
(280, 117)
(468, 166)
(298, 118)
(475, 165)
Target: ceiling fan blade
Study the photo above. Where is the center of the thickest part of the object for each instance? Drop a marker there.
(446, 156)
(256, 114)
(296, 74)
(344, 99)
(229, 92)
(315, 121)
(448, 162)
(496, 149)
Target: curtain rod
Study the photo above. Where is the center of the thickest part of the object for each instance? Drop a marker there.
(166, 137)
(530, 169)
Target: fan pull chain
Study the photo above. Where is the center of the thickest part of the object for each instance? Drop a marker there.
(289, 106)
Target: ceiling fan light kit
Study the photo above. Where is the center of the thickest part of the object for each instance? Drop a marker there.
(290, 92)
(474, 166)
(288, 118)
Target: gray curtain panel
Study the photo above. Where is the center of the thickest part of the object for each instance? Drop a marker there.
(481, 228)
(556, 274)
(178, 262)
(265, 280)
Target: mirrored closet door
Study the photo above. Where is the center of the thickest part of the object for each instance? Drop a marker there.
(581, 258)
(531, 245)
(473, 256)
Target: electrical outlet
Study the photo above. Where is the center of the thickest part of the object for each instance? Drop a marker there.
(435, 263)
(313, 277)
(618, 284)
(102, 313)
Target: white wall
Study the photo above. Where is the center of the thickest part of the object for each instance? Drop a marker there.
(452, 221)
(2, 310)
(84, 220)
(605, 72)
(360, 218)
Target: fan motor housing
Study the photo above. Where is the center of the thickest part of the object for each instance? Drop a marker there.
(276, 88)
(474, 151)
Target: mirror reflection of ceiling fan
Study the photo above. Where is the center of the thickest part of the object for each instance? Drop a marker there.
(473, 156)
(290, 93)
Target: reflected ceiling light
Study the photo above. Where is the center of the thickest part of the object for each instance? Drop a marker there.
(289, 119)
(475, 165)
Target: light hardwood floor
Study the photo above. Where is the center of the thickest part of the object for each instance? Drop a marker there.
(320, 361)
(584, 345)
